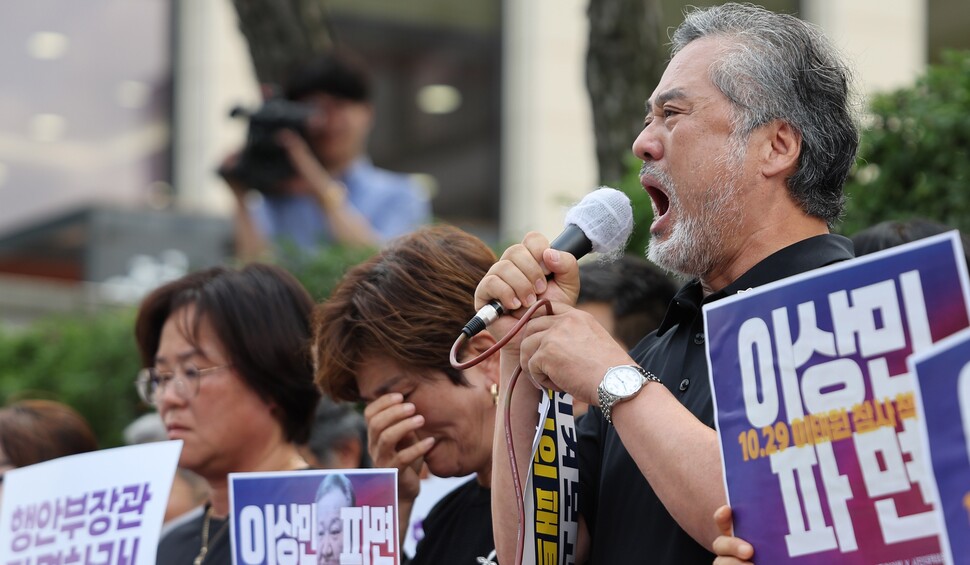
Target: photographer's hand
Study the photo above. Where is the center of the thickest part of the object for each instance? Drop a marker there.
(226, 169)
(347, 224)
(251, 245)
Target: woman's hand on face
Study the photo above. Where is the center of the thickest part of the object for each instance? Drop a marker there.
(392, 441)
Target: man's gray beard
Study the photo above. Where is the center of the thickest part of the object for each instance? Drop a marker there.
(693, 247)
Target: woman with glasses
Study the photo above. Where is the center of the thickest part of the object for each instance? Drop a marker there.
(229, 371)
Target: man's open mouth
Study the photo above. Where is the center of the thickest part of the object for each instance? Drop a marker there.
(661, 202)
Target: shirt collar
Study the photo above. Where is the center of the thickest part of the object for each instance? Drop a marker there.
(360, 166)
(798, 257)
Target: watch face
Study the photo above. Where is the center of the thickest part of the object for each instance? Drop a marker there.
(622, 381)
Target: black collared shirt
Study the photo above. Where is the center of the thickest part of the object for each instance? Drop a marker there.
(627, 522)
(458, 529)
(182, 544)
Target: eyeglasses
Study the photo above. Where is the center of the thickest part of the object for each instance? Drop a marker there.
(151, 382)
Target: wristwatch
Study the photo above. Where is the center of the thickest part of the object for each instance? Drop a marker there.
(622, 383)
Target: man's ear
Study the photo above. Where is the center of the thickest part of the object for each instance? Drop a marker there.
(782, 148)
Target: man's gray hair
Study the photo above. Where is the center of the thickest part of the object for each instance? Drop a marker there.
(780, 67)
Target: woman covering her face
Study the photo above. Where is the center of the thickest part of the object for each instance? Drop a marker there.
(384, 338)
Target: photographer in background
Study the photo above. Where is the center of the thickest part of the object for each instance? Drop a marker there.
(329, 191)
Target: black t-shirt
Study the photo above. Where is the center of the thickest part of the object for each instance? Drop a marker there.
(458, 529)
(181, 545)
(627, 522)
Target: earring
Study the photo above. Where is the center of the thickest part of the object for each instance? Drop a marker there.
(494, 390)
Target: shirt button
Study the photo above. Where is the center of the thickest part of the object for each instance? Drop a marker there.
(684, 384)
(699, 338)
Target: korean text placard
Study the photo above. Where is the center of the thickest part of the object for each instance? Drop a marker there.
(815, 405)
(346, 517)
(101, 507)
(943, 402)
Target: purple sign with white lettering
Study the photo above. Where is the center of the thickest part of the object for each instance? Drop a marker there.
(315, 517)
(943, 403)
(815, 407)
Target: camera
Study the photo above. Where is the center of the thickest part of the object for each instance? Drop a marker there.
(264, 163)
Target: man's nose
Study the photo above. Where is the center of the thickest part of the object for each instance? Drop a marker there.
(647, 146)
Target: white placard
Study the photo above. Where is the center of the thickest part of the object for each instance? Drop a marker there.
(105, 506)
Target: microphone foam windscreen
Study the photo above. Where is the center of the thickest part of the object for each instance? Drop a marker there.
(606, 217)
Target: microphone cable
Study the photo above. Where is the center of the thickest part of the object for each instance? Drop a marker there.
(453, 357)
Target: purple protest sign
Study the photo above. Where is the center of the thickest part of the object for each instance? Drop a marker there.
(815, 407)
(315, 517)
(943, 402)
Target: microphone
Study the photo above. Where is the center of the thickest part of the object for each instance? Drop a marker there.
(601, 222)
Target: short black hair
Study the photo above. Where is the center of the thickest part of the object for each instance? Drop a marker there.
(334, 422)
(341, 75)
(638, 294)
(891, 233)
(261, 316)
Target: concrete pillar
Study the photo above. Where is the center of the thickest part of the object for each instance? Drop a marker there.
(214, 73)
(548, 151)
(885, 40)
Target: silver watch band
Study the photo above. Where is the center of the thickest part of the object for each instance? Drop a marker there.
(607, 400)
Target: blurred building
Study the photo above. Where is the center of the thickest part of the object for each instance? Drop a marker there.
(114, 116)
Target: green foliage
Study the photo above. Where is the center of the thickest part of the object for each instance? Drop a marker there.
(320, 272)
(90, 361)
(914, 156)
(87, 362)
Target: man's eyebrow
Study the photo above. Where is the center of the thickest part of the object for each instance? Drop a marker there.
(666, 97)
